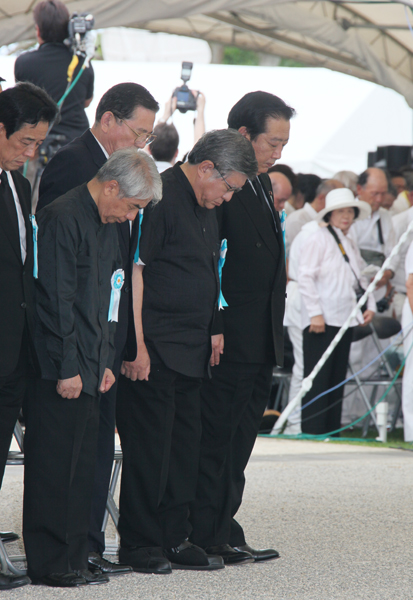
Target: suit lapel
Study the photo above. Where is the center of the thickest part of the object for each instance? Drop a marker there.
(95, 150)
(252, 205)
(26, 209)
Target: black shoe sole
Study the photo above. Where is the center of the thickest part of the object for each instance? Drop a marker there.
(266, 558)
(244, 561)
(13, 586)
(151, 571)
(197, 567)
(109, 573)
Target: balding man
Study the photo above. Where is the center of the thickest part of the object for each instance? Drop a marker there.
(281, 189)
(309, 212)
(375, 235)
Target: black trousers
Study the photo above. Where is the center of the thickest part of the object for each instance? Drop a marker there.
(159, 423)
(60, 456)
(12, 390)
(104, 463)
(232, 405)
(324, 415)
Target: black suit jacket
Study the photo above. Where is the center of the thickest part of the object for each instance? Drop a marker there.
(17, 284)
(74, 164)
(253, 280)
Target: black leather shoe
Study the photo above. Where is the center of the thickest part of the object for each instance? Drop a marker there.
(229, 555)
(93, 578)
(8, 536)
(190, 557)
(258, 555)
(145, 560)
(97, 562)
(61, 580)
(8, 582)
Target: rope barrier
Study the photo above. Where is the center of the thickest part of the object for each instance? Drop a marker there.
(308, 381)
(308, 436)
(354, 375)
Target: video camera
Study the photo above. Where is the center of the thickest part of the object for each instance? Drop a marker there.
(79, 25)
(185, 99)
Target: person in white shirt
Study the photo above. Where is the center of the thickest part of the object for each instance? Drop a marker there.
(329, 278)
(281, 189)
(407, 319)
(309, 211)
(292, 320)
(375, 236)
(401, 222)
(404, 200)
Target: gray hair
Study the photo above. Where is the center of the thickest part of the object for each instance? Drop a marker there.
(228, 150)
(349, 179)
(327, 185)
(135, 172)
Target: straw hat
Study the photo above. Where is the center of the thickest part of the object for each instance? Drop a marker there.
(344, 198)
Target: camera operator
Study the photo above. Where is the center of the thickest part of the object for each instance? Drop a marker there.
(47, 67)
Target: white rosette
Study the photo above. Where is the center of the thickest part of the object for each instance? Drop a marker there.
(117, 280)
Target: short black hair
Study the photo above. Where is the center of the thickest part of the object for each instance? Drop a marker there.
(287, 171)
(166, 142)
(122, 100)
(326, 217)
(52, 18)
(253, 110)
(307, 184)
(26, 103)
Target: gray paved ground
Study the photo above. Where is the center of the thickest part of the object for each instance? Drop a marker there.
(341, 516)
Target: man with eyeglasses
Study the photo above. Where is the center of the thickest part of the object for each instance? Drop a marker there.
(176, 294)
(248, 336)
(125, 118)
(26, 112)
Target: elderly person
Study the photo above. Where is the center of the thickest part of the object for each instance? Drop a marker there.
(329, 280)
(80, 277)
(176, 292)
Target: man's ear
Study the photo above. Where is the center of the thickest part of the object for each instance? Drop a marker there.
(244, 132)
(205, 168)
(111, 188)
(107, 121)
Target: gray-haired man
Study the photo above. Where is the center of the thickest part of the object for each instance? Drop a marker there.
(158, 412)
(78, 292)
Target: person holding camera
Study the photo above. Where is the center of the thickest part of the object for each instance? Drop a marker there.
(47, 67)
(330, 281)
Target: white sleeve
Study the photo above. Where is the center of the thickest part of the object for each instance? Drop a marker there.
(308, 271)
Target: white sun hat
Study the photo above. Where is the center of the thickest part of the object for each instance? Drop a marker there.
(344, 198)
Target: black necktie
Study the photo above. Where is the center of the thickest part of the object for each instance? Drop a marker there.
(6, 196)
(266, 207)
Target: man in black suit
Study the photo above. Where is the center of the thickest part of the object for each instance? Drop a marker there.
(124, 118)
(253, 285)
(25, 114)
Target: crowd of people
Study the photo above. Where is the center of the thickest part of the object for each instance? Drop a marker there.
(330, 264)
(112, 314)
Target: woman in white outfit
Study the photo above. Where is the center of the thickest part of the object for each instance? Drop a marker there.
(329, 278)
(407, 318)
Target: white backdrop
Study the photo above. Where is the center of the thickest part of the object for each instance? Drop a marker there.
(339, 118)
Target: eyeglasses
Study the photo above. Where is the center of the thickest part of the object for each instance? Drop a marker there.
(148, 138)
(230, 187)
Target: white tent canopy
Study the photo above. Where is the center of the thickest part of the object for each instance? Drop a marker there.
(365, 38)
(339, 118)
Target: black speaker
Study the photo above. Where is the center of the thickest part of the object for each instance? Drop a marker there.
(391, 157)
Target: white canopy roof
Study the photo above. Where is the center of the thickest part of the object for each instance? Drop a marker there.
(369, 39)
